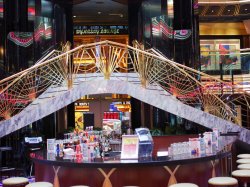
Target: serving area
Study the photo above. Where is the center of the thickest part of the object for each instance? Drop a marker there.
(110, 170)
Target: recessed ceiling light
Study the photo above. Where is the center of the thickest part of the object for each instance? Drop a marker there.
(245, 8)
(74, 16)
(212, 11)
(99, 12)
(228, 10)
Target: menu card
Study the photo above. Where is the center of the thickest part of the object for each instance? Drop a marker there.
(51, 145)
(130, 147)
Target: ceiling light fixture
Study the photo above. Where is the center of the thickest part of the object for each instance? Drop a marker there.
(74, 16)
(99, 12)
(120, 15)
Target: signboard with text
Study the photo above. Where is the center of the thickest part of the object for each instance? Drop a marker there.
(101, 30)
(130, 147)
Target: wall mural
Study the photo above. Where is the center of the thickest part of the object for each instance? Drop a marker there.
(206, 58)
(217, 52)
(227, 54)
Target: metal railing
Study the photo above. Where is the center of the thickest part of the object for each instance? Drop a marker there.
(106, 58)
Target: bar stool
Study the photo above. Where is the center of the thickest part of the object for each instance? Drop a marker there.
(184, 185)
(40, 184)
(243, 156)
(242, 176)
(243, 161)
(244, 166)
(15, 182)
(222, 181)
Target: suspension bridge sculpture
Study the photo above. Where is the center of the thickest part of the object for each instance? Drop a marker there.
(109, 67)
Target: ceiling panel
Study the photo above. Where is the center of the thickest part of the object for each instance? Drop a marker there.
(92, 12)
(101, 12)
(229, 10)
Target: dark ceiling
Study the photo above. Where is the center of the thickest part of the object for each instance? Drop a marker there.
(100, 11)
(224, 12)
(91, 12)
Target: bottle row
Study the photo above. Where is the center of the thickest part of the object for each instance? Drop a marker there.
(205, 144)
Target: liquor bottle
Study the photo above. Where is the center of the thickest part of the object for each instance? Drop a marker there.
(202, 145)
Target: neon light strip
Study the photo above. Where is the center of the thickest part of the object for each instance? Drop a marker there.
(178, 34)
(26, 40)
(225, 2)
(21, 39)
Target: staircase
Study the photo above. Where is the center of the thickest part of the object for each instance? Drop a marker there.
(109, 67)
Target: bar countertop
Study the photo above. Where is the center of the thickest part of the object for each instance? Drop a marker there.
(114, 160)
(116, 172)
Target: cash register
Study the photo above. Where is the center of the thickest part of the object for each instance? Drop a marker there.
(145, 142)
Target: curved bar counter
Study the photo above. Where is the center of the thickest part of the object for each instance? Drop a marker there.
(113, 172)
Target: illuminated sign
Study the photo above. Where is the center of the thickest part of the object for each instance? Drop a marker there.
(160, 28)
(1, 8)
(81, 104)
(25, 39)
(101, 30)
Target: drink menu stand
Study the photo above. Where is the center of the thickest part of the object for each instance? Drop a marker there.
(5, 169)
